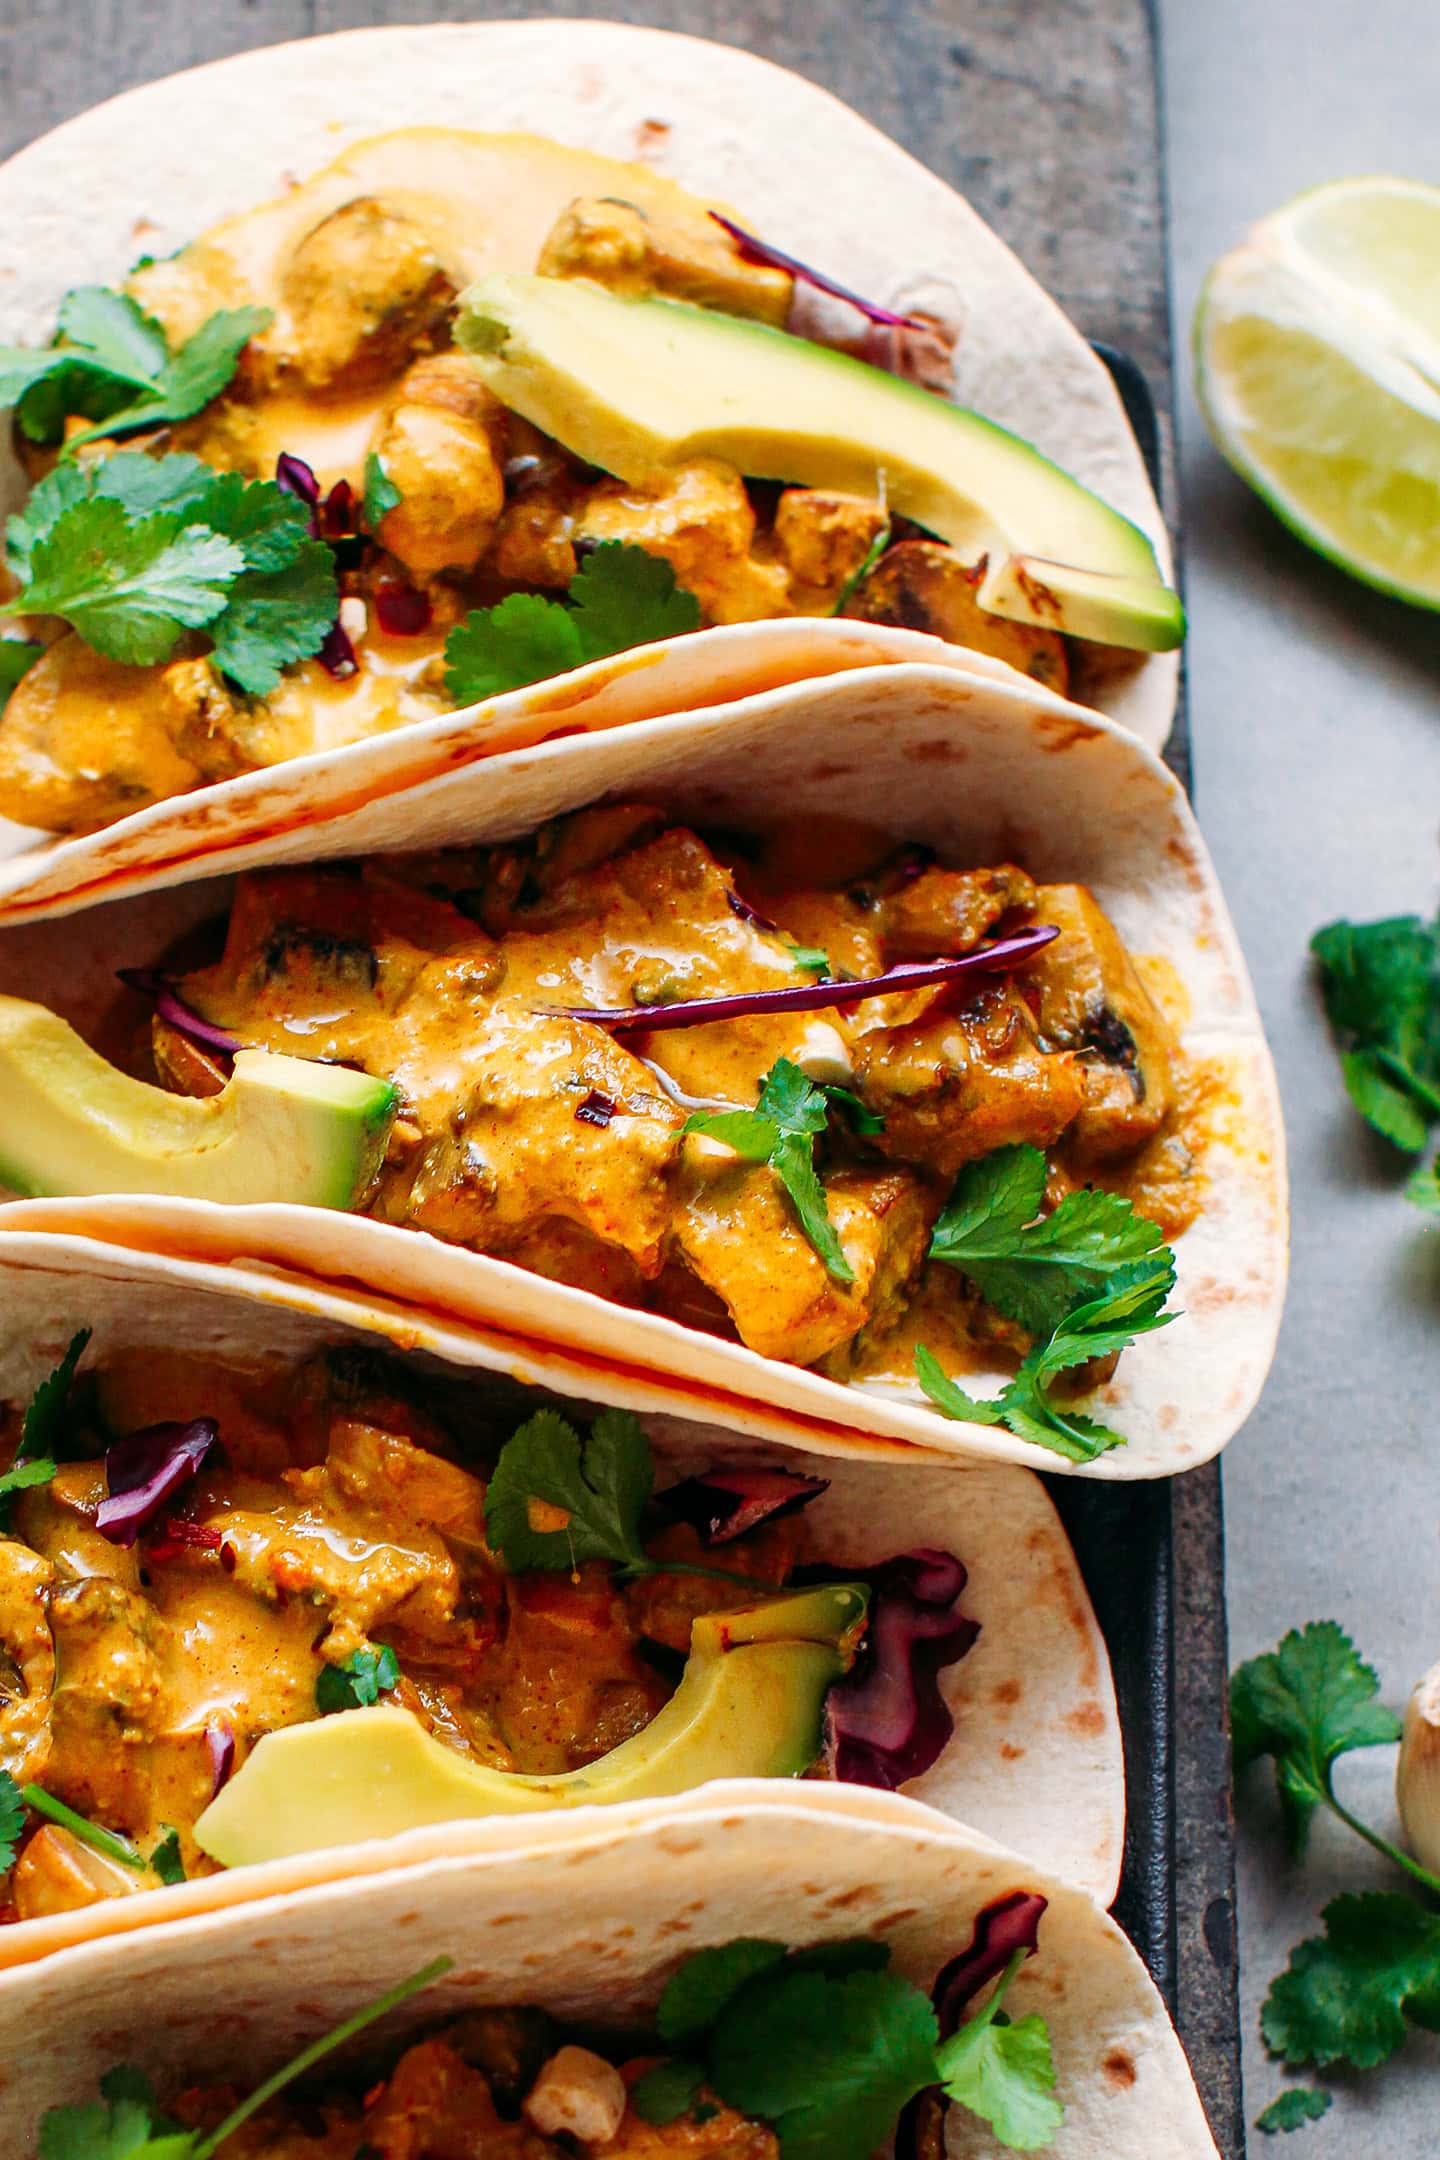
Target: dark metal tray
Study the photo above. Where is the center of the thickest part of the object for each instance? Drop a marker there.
(1045, 117)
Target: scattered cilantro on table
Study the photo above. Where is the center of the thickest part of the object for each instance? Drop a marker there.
(1084, 1281)
(781, 1130)
(1349, 1996)
(620, 597)
(42, 1429)
(132, 551)
(113, 364)
(1381, 986)
(127, 2123)
(829, 2046)
(358, 1682)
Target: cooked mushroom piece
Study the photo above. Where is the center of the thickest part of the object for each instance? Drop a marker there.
(360, 291)
(1092, 1001)
(634, 251)
(923, 585)
(442, 447)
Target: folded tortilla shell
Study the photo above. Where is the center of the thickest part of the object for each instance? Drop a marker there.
(1035, 1756)
(590, 1924)
(793, 161)
(981, 770)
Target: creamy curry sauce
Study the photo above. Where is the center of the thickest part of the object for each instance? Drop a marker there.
(334, 1515)
(361, 266)
(550, 1142)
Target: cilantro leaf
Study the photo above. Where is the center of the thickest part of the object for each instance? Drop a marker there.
(523, 640)
(117, 334)
(189, 378)
(697, 1996)
(811, 958)
(129, 589)
(781, 1131)
(552, 1501)
(112, 364)
(1035, 1271)
(21, 1476)
(667, 2091)
(1305, 1705)
(861, 1116)
(381, 494)
(42, 1428)
(12, 1818)
(830, 2063)
(358, 1681)
(127, 2125)
(624, 596)
(165, 1860)
(273, 618)
(17, 657)
(144, 485)
(1293, 2109)
(1422, 1189)
(1346, 1996)
(1381, 986)
(621, 596)
(1004, 2073)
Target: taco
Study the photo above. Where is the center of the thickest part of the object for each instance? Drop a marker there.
(269, 1590)
(464, 412)
(770, 1984)
(852, 1055)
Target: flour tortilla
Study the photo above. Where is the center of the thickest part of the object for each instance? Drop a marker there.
(141, 172)
(982, 770)
(591, 1925)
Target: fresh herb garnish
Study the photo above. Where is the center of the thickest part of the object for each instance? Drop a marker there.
(42, 1429)
(381, 493)
(1291, 2110)
(12, 1818)
(861, 1116)
(131, 2126)
(811, 958)
(829, 2046)
(620, 597)
(1085, 1281)
(17, 657)
(165, 1860)
(132, 551)
(108, 1842)
(358, 1682)
(1348, 1996)
(781, 1130)
(113, 364)
(1381, 985)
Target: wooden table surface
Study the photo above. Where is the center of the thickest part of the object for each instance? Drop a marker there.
(1043, 112)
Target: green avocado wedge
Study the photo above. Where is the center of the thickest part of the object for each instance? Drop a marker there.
(630, 385)
(750, 1704)
(281, 1129)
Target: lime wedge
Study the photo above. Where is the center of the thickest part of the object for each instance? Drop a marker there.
(1317, 351)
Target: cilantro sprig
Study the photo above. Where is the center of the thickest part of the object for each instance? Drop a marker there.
(128, 2123)
(555, 1500)
(1084, 1281)
(1381, 986)
(358, 1681)
(381, 494)
(782, 1130)
(111, 363)
(42, 1429)
(133, 551)
(1350, 1995)
(829, 2046)
(621, 596)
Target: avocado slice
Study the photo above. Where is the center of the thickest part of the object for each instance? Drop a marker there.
(632, 384)
(749, 1704)
(280, 1129)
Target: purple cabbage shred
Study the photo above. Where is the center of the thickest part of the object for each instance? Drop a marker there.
(220, 1746)
(1012, 1923)
(144, 1472)
(337, 654)
(756, 250)
(992, 959)
(298, 479)
(724, 1504)
(172, 1009)
(887, 1720)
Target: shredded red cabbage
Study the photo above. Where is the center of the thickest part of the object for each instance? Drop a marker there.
(147, 1469)
(596, 1109)
(755, 250)
(741, 907)
(1012, 1923)
(992, 959)
(298, 479)
(220, 1746)
(173, 1010)
(340, 512)
(401, 610)
(724, 1504)
(337, 654)
(886, 1720)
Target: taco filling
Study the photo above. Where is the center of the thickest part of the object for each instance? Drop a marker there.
(213, 1576)
(276, 508)
(834, 1176)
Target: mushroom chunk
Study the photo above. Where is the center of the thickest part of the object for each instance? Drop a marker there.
(442, 446)
(361, 289)
(634, 251)
(1092, 1001)
(823, 538)
(922, 585)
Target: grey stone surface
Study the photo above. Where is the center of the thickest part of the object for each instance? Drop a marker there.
(1315, 713)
